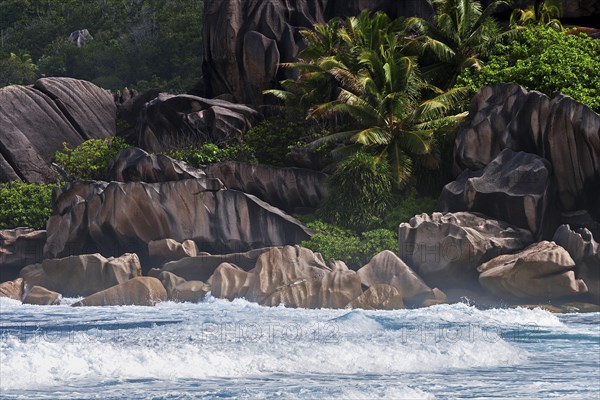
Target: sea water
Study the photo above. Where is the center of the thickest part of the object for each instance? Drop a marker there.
(221, 349)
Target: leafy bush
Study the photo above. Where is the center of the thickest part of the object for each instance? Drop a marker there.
(405, 207)
(209, 153)
(342, 244)
(545, 60)
(25, 204)
(359, 192)
(271, 139)
(89, 160)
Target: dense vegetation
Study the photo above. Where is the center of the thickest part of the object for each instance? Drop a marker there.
(135, 43)
(376, 101)
(547, 60)
(24, 204)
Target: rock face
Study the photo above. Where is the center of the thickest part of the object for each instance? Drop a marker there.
(18, 248)
(180, 290)
(141, 291)
(40, 296)
(201, 267)
(117, 217)
(514, 187)
(541, 271)
(169, 121)
(36, 120)
(163, 250)
(293, 276)
(135, 165)
(245, 40)
(378, 297)
(585, 251)
(446, 249)
(386, 268)
(562, 131)
(290, 189)
(82, 275)
(12, 289)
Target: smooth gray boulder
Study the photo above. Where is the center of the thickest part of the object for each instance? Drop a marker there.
(514, 187)
(41, 296)
(82, 275)
(140, 291)
(124, 217)
(290, 189)
(36, 120)
(18, 248)
(542, 271)
(378, 297)
(171, 121)
(559, 129)
(180, 290)
(446, 249)
(585, 251)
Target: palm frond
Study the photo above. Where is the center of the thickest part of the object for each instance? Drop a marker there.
(373, 136)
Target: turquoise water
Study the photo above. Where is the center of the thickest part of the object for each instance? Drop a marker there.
(220, 349)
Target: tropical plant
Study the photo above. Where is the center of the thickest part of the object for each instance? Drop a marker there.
(89, 160)
(461, 33)
(358, 192)
(545, 60)
(210, 153)
(546, 13)
(25, 205)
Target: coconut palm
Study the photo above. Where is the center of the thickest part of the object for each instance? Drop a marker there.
(461, 33)
(385, 99)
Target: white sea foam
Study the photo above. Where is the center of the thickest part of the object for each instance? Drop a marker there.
(60, 346)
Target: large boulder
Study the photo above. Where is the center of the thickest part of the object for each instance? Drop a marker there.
(543, 271)
(559, 129)
(446, 249)
(141, 291)
(378, 297)
(19, 247)
(585, 251)
(41, 296)
(124, 217)
(180, 290)
(164, 250)
(514, 187)
(175, 120)
(290, 189)
(293, 276)
(201, 267)
(136, 165)
(12, 289)
(36, 120)
(246, 40)
(83, 275)
(387, 268)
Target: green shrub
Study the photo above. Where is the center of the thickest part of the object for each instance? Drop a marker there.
(271, 139)
(545, 60)
(334, 242)
(359, 192)
(89, 160)
(25, 204)
(405, 207)
(210, 153)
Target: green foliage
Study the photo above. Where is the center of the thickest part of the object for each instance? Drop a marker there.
(272, 139)
(152, 43)
(406, 206)
(358, 192)
(547, 13)
(334, 242)
(89, 160)
(545, 60)
(460, 34)
(25, 204)
(209, 153)
(17, 70)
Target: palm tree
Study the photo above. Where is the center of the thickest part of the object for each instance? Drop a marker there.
(460, 34)
(385, 97)
(545, 12)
